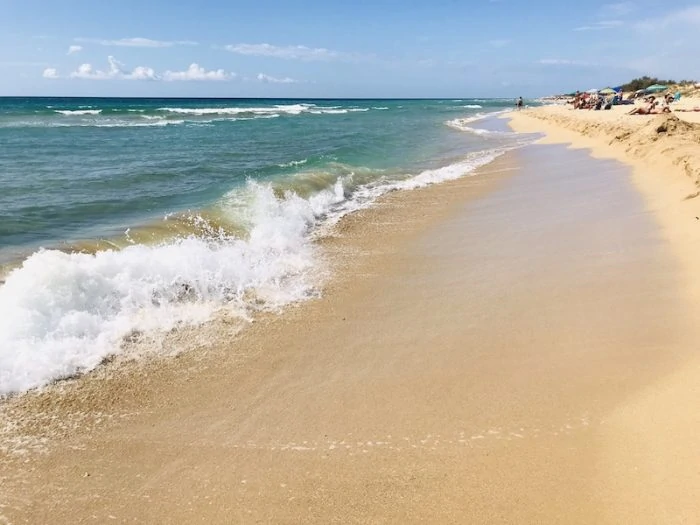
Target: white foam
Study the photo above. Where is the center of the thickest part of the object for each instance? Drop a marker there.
(461, 124)
(68, 112)
(288, 109)
(451, 172)
(292, 163)
(63, 313)
(292, 109)
(473, 106)
(130, 124)
(329, 111)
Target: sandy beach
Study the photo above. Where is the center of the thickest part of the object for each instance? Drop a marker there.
(515, 346)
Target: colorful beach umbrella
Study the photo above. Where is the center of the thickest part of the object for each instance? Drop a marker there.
(656, 88)
(607, 91)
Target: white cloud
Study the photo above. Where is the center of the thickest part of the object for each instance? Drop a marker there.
(562, 62)
(284, 52)
(195, 72)
(601, 25)
(689, 16)
(142, 73)
(499, 42)
(618, 9)
(137, 42)
(262, 77)
(554, 61)
(50, 72)
(74, 49)
(115, 71)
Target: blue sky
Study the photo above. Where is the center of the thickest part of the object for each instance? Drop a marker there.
(363, 48)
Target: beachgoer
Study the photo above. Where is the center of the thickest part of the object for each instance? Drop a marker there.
(519, 103)
(645, 109)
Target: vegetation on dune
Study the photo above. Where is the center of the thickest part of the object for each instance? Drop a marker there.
(646, 81)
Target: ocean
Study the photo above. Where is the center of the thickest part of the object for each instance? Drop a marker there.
(138, 216)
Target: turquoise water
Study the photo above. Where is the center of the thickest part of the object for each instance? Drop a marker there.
(76, 169)
(123, 215)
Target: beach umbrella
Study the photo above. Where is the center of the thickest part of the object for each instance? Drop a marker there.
(656, 88)
(607, 91)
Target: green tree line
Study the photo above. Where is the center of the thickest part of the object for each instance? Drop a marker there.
(646, 81)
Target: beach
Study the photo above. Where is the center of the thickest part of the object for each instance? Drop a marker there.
(513, 346)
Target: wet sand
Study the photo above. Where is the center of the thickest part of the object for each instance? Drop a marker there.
(473, 362)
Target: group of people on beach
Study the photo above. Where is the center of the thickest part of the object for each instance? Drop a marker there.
(595, 101)
(653, 106)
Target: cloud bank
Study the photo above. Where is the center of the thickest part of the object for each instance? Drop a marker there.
(267, 79)
(284, 52)
(194, 73)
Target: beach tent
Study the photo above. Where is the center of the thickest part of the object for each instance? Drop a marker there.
(607, 91)
(656, 88)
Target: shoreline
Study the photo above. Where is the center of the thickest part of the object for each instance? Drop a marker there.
(665, 162)
(487, 327)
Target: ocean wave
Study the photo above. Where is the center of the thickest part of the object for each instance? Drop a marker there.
(473, 106)
(293, 163)
(62, 314)
(69, 112)
(292, 109)
(288, 109)
(147, 121)
(124, 124)
(329, 111)
(461, 123)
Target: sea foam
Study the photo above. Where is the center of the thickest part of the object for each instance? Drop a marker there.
(63, 313)
(78, 112)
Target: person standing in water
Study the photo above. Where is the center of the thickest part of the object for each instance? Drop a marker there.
(519, 103)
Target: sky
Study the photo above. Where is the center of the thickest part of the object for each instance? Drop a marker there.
(340, 49)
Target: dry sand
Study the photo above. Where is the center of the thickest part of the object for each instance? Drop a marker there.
(511, 347)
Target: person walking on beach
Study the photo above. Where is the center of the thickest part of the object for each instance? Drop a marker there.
(519, 103)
